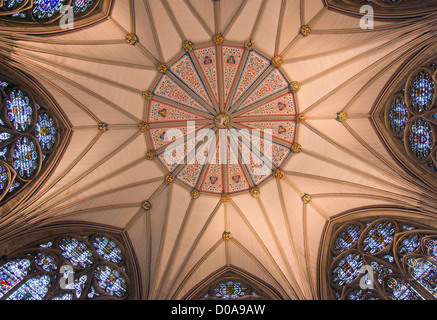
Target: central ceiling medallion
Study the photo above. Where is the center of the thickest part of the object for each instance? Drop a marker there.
(221, 118)
(222, 121)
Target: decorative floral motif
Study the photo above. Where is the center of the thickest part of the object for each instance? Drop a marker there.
(190, 91)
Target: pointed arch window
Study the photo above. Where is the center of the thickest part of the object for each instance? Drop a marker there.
(67, 267)
(383, 259)
(44, 16)
(230, 284)
(31, 134)
(406, 116)
(385, 9)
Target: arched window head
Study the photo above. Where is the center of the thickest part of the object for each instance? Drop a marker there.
(231, 284)
(382, 259)
(406, 115)
(67, 267)
(33, 133)
(384, 9)
(48, 16)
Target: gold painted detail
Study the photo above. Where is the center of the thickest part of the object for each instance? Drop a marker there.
(250, 44)
(296, 148)
(294, 86)
(226, 236)
(342, 116)
(305, 30)
(147, 95)
(277, 61)
(131, 38)
(150, 155)
(102, 127)
(146, 205)
(222, 121)
(218, 39)
(278, 174)
(169, 178)
(143, 126)
(255, 192)
(187, 46)
(162, 68)
(300, 118)
(307, 198)
(195, 194)
(225, 198)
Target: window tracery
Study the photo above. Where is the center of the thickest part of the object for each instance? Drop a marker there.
(230, 285)
(384, 9)
(30, 134)
(383, 259)
(43, 11)
(67, 267)
(411, 117)
(51, 16)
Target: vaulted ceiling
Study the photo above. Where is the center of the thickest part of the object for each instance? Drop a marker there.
(103, 177)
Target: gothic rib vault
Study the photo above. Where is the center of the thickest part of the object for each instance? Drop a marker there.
(331, 76)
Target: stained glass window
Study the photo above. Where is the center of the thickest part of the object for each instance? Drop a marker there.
(411, 115)
(66, 267)
(389, 259)
(398, 115)
(29, 134)
(230, 290)
(422, 91)
(44, 11)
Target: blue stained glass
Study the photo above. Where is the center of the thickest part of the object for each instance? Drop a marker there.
(380, 270)
(431, 245)
(3, 178)
(111, 281)
(76, 252)
(398, 115)
(12, 273)
(19, 110)
(3, 153)
(25, 157)
(46, 8)
(33, 289)
(46, 262)
(425, 273)
(408, 245)
(15, 184)
(107, 249)
(347, 238)
(422, 91)
(4, 136)
(400, 290)
(65, 296)
(77, 285)
(359, 294)
(421, 139)
(347, 269)
(230, 290)
(92, 293)
(11, 3)
(45, 131)
(378, 237)
(82, 5)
